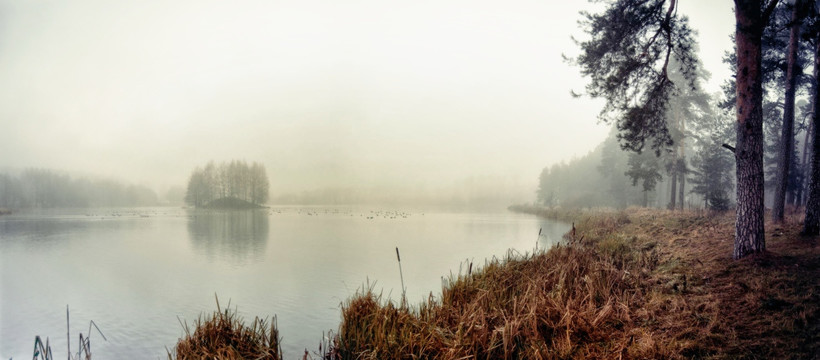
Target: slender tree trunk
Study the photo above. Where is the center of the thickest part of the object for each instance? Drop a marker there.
(798, 196)
(791, 192)
(804, 185)
(812, 224)
(673, 192)
(680, 189)
(681, 159)
(787, 136)
(749, 231)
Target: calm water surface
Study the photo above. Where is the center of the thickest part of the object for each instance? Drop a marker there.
(138, 272)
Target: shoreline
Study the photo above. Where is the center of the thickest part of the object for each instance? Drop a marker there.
(635, 283)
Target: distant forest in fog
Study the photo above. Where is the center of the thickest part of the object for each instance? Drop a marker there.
(44, 188)
(474, 192)
(611, 177)
(602, 179)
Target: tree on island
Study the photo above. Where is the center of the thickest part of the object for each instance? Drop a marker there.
(229, 184)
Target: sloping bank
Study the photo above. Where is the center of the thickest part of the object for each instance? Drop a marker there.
(633, 284)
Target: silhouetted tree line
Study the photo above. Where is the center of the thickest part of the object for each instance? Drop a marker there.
(234, 179)
(44, 188)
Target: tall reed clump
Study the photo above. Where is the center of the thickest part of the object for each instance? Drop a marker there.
(589, 298)
(224, 335)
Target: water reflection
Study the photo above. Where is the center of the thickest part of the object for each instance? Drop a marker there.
(235, 236)
(45, 231)
(552, 233)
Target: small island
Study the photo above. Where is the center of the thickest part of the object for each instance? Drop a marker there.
(231, 203)
(228, 185)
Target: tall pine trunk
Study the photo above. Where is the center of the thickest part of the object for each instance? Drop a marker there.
(787, 135)
(749, 234)
(812, 224)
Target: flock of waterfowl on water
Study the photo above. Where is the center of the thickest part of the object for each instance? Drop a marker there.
(306, 211)
(371, 214)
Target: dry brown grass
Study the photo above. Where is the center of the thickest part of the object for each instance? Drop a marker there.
(632, 284)
(224, 335)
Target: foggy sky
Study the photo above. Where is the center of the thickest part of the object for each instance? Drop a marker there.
(324, 93)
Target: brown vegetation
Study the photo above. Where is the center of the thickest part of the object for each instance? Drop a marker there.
(225, 336)
(632, 284)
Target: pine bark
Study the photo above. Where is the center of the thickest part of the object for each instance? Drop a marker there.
(787, 134)
(749, 231)
(811, 226)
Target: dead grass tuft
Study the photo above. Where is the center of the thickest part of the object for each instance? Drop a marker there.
(224, 335)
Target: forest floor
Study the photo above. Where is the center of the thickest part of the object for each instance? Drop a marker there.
(638, 283)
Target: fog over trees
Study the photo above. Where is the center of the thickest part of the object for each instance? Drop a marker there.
(609, 176)
(228, 180)
(44, 188)
(641, 59)
(437, 106)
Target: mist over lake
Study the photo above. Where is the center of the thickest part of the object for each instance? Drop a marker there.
(138, 272)
(164, 164)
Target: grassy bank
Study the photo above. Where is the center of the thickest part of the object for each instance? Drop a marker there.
(624, 284)
(632, 284)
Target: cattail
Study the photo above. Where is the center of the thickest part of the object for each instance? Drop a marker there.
(403, 289)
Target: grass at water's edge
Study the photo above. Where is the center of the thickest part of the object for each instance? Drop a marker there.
(627, 284)
(638, 283)
(224, 335)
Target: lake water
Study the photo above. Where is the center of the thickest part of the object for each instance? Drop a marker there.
(137, 272)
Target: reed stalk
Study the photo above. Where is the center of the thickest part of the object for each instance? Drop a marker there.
(401, 276)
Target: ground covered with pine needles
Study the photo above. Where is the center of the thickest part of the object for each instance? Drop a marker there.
(630, 284)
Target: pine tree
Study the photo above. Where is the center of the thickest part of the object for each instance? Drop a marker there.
(627, 58)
